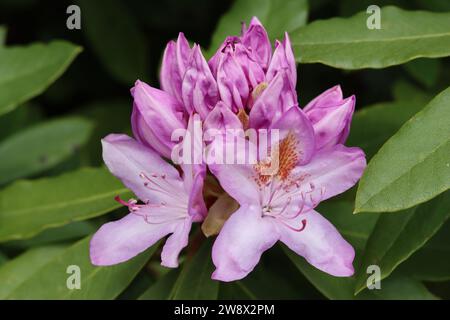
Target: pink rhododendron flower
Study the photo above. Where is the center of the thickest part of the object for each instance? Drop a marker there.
(244, 66)
(280, 207)
(170, 204)
(243, 86)
(331, 117)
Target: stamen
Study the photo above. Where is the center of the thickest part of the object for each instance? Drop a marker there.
(300, 229)
(122, 202)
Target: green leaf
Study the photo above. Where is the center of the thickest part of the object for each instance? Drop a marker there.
(347, 43)
(373, 125)
(115, 38)
(162, 288)
(118, 113)
(73, 231)
(41, 147)
(335, 288)
(26, 71)
(2, 35)
(397, 236)
(3, 258)
(18, 270)
(50, 280)
(194, 282)
(413, 166)
(425, 71)
(28, 207)
(19, 119)
(431, 262)
(405, 91)
(277, 16)
(355, 228)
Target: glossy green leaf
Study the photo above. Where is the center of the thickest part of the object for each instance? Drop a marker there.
(425, 71)
(19, 119)
(18, 270)
(41, 147)
(335, 288)
(405, 91)
(3, 258)
(397, 236)
(431, 262)
(115, 38)
(50, 280)
(373, 125)
(118, 113)
(162, 288)
(28, 207)
(277, 16)
(413, 166)
(2, 35)
(348, 43)
(69, 232)
(26, 71)
(194, 282)
(354, 228)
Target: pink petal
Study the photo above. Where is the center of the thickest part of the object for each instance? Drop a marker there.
(320, 244)
(221, 118)
(173, 67)
(331, 117)
(127, 159)
(329, 173)
(232, 83)
(329, 98)
(121, 240)
(238, 180)
(255, 39)
(175, 243)
(283, 58)
(160, 115)
(295, 122)
(199, 88)
(276, 99)
(241, 242)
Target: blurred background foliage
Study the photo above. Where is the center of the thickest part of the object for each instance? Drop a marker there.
(57, 132)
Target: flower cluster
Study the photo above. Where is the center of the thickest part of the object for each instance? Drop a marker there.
(243, 86)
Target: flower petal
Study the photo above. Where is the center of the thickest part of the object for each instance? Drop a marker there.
(173, 67)
(232, 82)
(329, 173)
(241, 242)
(295, 122)
(160, 115)
(127, 159)
(320, 244)
(236, 174)
(331, 117)
(121, 240)
(199, 88)
(175, 243)
(276, 99)
(283, 58)
(255, 38)
(220, 119)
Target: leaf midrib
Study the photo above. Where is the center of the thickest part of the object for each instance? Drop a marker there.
(68, 203)
(345, 42)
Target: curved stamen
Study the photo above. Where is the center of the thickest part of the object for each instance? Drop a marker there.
(300, 229)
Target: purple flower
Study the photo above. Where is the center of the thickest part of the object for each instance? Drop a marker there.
(170, 203)
(280, 206)
(156, 114)
(244, 66)
(331, 116)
